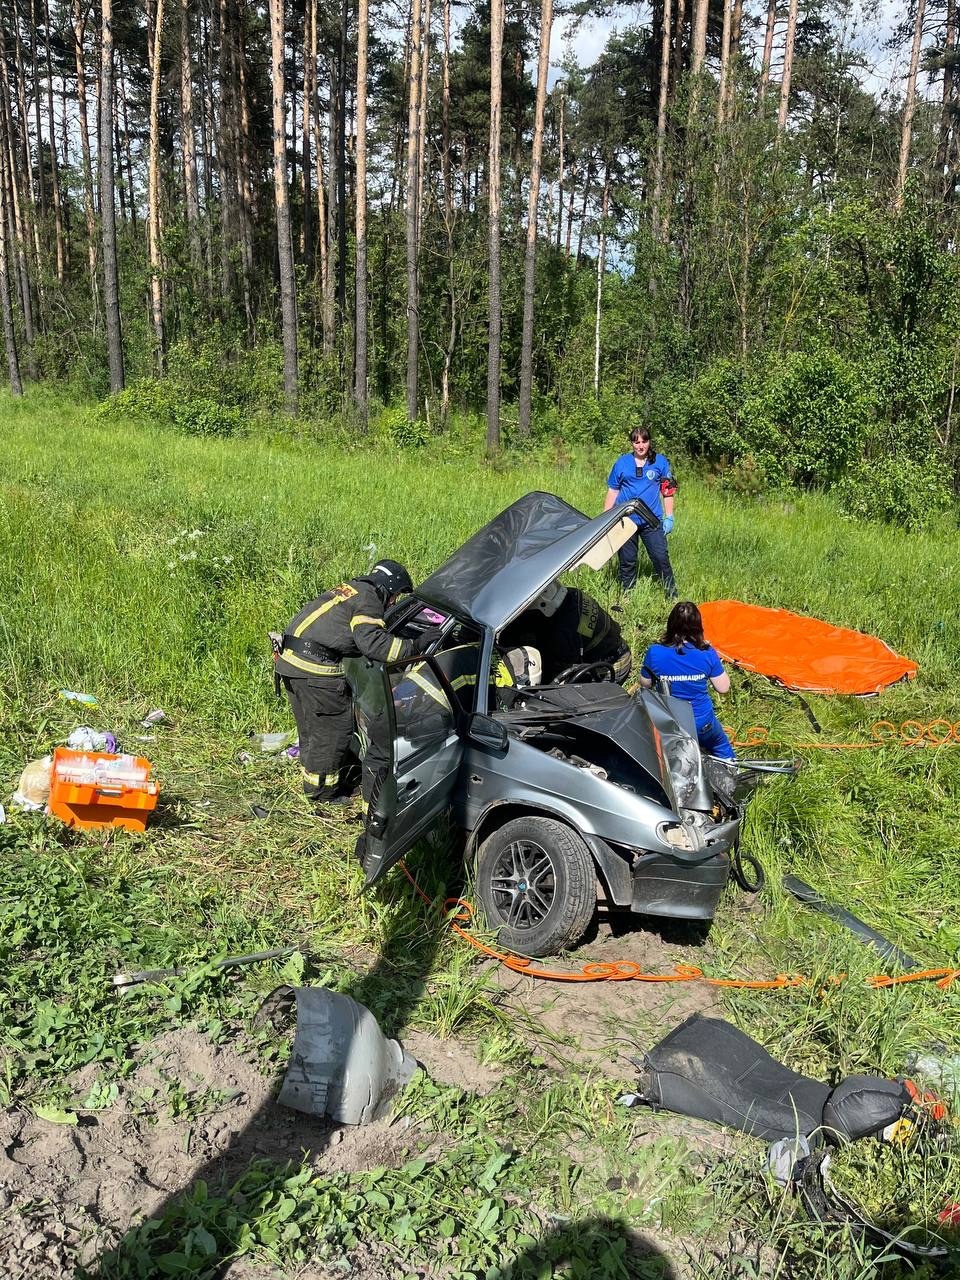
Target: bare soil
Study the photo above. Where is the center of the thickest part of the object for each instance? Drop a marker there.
(67, 1192)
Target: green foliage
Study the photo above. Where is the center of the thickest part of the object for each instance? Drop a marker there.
(898, 488)
(802, 418)
(392, 426)
(162, 403)
(69, 918)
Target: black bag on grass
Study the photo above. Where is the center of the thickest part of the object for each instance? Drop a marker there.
(709, 1069)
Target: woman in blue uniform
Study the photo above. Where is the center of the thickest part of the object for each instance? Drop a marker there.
(690, 665)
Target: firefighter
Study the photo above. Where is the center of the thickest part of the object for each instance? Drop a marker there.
(343, 622)
(569, 628)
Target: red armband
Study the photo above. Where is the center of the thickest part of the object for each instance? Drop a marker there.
(668, 487)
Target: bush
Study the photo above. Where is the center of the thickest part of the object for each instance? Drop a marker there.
(162, 403)
(802, 418)
(894, 489)
(392, 426)
(605, 420)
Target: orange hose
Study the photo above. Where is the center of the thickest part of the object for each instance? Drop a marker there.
(630, 971)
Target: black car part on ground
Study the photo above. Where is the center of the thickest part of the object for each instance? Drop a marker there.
(825, 1204)
(809, 896)
(710, 1069)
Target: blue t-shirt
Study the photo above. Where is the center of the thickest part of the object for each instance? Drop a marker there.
(688, 672)
(641, 480)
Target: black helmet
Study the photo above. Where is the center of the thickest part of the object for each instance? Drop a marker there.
(390, 577)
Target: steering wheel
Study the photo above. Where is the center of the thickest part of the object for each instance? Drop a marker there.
(581, 671)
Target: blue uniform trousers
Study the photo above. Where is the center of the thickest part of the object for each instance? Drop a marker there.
(655, 544)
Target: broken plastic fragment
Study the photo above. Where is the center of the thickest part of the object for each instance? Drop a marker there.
(341, 1064)
(273, 742)
(153, 717)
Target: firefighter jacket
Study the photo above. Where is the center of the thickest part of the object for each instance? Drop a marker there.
(342, 623)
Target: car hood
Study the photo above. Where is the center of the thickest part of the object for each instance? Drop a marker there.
(506, 565)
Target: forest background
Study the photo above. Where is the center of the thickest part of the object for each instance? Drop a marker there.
(339, 219)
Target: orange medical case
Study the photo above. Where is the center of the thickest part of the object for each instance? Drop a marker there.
(87, 794)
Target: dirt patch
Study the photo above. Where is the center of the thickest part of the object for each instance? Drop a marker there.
(191, 1110)
(449, 1062)
(595, 1024)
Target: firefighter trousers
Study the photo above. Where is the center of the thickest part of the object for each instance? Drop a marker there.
(323, 709)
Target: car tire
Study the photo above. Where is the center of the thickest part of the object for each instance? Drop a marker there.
(537, 885)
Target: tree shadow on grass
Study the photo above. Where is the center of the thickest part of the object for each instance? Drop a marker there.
(195, 1230)
(600, 1248)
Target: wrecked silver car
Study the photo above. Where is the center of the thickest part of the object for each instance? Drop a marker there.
(558, 784)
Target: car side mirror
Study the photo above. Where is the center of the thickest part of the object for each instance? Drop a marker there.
(487, 732)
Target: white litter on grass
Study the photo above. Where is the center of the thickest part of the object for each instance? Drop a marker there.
(20, 801)
(3, 815)
(153, 717)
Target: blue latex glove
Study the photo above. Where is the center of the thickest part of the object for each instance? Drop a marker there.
(668, 524)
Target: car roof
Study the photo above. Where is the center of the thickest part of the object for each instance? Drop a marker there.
(507, 563)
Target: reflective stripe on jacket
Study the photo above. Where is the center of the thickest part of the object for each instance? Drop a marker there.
(343, 622)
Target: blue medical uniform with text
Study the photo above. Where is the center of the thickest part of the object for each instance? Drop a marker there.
(689, 671)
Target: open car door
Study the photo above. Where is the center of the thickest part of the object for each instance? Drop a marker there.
(409, 722)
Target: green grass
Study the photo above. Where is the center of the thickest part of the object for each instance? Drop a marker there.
(146, 568)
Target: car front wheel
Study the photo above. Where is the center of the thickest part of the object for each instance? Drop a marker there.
(537, 885)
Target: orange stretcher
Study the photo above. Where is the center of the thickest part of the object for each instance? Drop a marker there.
(802, 653)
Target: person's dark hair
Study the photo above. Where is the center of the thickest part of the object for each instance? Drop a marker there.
(684, 626)
(643, 433)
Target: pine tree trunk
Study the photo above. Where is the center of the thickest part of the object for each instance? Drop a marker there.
(767, 51)
(6, 307)
(698, 36)
(41, 178)
(656, 198)
(229, 231)
(588, 183)
(910, 102)
(127, 152)
(530, 253)
(309, 106)
(331, 204)
(25, 209)
(108, 225)
(208, 148)
(17, 230)
(322, 232)
(245, 183)
(493, 196)
(736, 28)
(342, 166)
(560, 163)
(448, 225)
(724, 62)
(947, 94)
(153, 193)
(61, 247)
(89, 207)
(788, 48)
(360, 329)
(412, 211)
(422, 187)
(601, 268)
(188, 141)
(288, 298)
(678, 30)
(568, 238)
